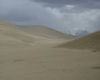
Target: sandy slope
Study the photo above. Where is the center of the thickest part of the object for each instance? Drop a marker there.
(42, 62)
(11, 34)
(45, 32)
(28, 34)
(24, 56)
(91, 41)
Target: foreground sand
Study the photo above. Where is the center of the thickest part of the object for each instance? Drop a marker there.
(41, 61)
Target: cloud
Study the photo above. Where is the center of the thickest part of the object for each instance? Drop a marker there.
(69, 18)
(80, 3)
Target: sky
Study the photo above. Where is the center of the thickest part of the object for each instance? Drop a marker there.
(68, 16)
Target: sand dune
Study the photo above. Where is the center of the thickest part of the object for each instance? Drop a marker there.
(3, 22)
(28, 34)
(45, 32)
(91, 41)
(28, 53)
(10, 35)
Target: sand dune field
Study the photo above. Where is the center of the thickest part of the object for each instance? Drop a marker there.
(30, 53)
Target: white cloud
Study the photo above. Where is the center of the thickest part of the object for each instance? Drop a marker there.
(69, 6)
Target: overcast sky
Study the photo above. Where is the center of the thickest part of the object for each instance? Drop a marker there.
(69, 16)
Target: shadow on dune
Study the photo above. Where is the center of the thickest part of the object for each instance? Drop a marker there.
(96, 67)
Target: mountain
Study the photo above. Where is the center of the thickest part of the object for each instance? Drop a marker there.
(81, 33)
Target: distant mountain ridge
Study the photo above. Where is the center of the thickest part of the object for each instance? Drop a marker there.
(81, 33)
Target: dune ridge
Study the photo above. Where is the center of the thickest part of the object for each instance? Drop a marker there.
(91, 41)
(45, 32)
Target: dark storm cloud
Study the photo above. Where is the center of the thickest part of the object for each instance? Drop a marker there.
(79, 3)
(62, 1)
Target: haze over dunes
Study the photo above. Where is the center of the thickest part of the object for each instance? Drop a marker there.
(91, 41)
(28, 53)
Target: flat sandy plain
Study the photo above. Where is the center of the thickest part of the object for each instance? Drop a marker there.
(27, 55)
